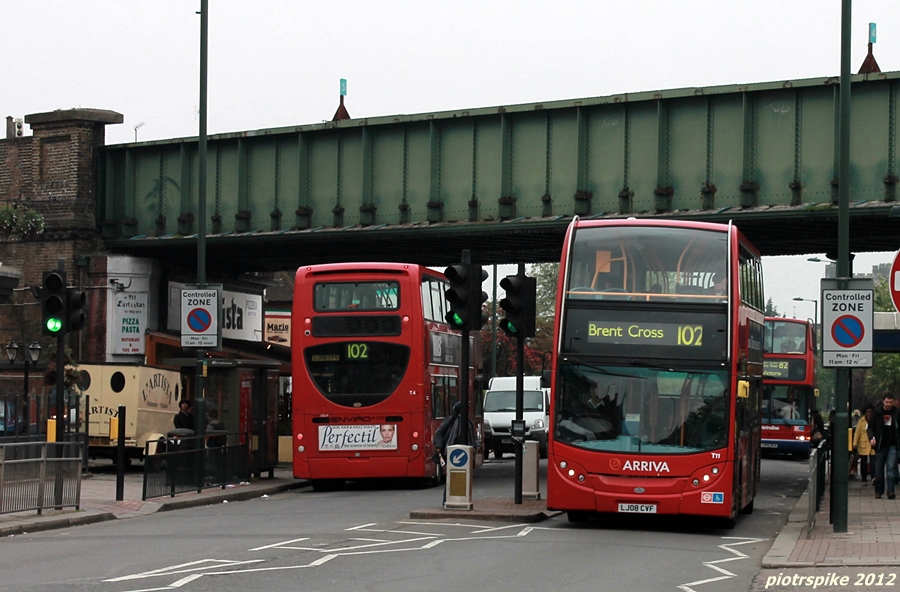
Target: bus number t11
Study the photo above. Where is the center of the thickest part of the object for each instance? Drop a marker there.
(357, 351)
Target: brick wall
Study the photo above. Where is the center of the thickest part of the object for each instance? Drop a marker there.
(53, 172)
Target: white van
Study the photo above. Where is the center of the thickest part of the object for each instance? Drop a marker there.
(500, 411)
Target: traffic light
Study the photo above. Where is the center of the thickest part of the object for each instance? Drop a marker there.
(75, 300)
(519, 304)
(465, 296)
(53, 303)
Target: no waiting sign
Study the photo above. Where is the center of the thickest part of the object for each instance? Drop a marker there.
(847, 324)
(200, 317)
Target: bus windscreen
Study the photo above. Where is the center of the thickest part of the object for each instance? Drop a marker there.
(640, 409)
(357, 373)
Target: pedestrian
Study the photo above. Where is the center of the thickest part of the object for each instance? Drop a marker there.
(818, 429)
(442, 436)
(184, 419)
(862, 447)
(883, 436)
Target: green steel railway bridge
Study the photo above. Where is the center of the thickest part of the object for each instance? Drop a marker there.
(505, 181)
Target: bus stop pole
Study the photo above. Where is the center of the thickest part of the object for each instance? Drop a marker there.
(842, 375)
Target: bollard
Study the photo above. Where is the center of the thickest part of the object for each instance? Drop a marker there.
(459, 478)
(531, 485)
(120, 455)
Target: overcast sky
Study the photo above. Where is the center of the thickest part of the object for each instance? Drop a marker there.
(275, 63)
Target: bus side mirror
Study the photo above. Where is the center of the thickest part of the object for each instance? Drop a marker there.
(816, 392)
(743, 390)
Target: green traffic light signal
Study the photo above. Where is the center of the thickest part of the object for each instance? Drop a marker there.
(54, 325)
(519, 305)
(455, 320)
(53, 302)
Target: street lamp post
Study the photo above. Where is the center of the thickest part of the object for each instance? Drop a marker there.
(34, 352)
(815, 302)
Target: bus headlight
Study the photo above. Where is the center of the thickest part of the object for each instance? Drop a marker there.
(715, 470)
(415, 446)
(301, 449)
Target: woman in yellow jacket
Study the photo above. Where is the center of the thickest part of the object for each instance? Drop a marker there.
(861, 444)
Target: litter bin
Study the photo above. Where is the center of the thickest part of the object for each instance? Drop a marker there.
(181, 469)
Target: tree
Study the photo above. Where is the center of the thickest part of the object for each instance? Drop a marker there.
(771, 309)
(547, 276)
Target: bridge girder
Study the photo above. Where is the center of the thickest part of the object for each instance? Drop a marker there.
(504, 182)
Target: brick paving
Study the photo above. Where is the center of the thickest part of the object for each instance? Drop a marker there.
(872, 537)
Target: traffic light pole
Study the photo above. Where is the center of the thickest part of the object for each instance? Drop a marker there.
(464, 373)
(520, 404)
(60, 386)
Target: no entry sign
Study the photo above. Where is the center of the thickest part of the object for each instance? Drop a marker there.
(847, 324)
(894, 282)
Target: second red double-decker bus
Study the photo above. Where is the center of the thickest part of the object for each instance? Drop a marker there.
(789, 396)
(657, 370)
(375, 371)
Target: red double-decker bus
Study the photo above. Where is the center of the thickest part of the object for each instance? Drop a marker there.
(790, 387)
(657, 370)
(375, 371)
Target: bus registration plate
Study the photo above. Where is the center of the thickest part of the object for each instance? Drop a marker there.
(768, 445)
(638, 508)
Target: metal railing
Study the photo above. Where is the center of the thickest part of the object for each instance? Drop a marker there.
(38, 475)
(195, 463)
(818, 465)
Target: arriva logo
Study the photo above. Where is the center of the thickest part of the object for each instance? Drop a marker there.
(646, 465)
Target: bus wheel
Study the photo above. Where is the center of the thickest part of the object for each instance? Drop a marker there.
(748, 509)
(726, 523)
(577, 516)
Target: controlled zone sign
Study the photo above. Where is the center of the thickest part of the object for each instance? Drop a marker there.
(200, 309)
(847, 324)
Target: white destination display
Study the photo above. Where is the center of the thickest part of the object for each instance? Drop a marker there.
(358, 437)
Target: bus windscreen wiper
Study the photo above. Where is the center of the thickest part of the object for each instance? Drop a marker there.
(601, 369)
(646, 364)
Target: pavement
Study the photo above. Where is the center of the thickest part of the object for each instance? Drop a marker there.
(872, 537)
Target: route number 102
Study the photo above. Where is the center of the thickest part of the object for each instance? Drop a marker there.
(357, 351)
(690, 335)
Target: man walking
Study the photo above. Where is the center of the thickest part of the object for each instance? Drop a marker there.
(884, 435)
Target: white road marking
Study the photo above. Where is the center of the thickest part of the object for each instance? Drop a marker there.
(361, 526)
(278, 544)
(712, 564)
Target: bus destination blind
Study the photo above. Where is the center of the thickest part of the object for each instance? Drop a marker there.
(654, 334)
